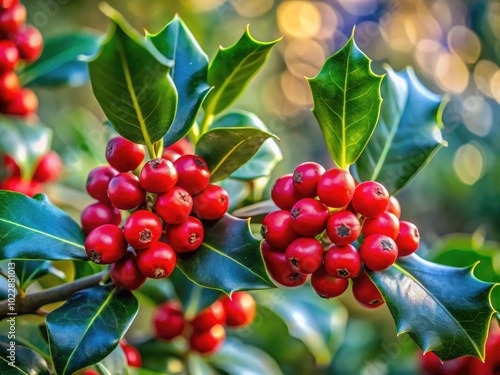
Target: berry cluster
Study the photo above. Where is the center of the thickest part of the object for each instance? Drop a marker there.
(177, 194)
(205, 332)
(17, 42)
(314, 202)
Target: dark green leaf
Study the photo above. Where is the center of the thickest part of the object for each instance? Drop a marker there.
(130, 82)
(25, 360)
(33, 228)
(434, 305)
(268, 155)
(61, 61)
(232, 69)
(228, 260)
(158, 355)
(114, 364)
(83, 269)
(189, 73)
(29, 335)
(89, 326)
(28, 271)
(408, 133)
(227, 149)
(346, 95)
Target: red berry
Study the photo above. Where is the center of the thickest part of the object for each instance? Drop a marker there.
(125, 192)
(9, 85)
(182, 147)
(378, 252)
(279, 268)
(370, 199)
(186, 236)
(386, 224)
(394, 207)
(365, 291)
(209, 317)
(142, 229)
(90, 372)
(170, 155)
(326, 285)
(240, 309)
(277, 230)
(309, 217)
(408, 238)
(49, 167)
(283, 192)
(208, 342)
(22, 103)
(342, 261)
(133, 356)
(29, 41)
(305, 255)
(158, 176)
(12, 19)
(98, 214)
(306, 177)
(9, 55)
(124, 155)
(174, 206)
(193, 173)
(106, 244)
(126, 274)
(6, 4)
(98, 181)
(11, 166)
(336, 188)
(212, 203)
(343, 228)
(157, 261)
(21, 186)
(169, 321)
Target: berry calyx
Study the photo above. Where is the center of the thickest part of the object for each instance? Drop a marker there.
(157, 261)
(174, 206)
(378, 252)
(98, 214)
(306, 177)
(158, 176)
(343, 228)
(125, 192)
(305, 255)
(327, 286)
(97, 183)
(309, 217)
(186, 236)
(279, 268)
(49, 167)
(240, 309)
(283, 192)
(208, 342)
(124, 155)
(408, 238)
(336, 188)
(212, 203)
(343, 261)
(277, 230)
(106, 244)
(142, 229)
(386, 224)
(209, 317)
(370, 199)
(126, 274)
(365, 292)
(169, 321)
(194, 175)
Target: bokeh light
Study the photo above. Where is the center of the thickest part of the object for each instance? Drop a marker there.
(468, 164)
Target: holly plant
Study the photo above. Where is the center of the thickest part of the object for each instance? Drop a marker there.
(180, 253)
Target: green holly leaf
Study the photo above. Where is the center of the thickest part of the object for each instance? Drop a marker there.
(229, 259)
(232, 69)
(227, 149)
(26, 361)
(89, 326)
(268, 155)
(114, 364)
(346, 95)
(408, 133)
(61, 62)
(434, 305)
(28, 271)
(130, 81)
(189, 73)
(28, 334)
(33, 228)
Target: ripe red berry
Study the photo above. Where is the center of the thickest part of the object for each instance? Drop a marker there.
(157, 261)
(365, 291)
(343, 228)
(9, 85)
(283, 192)
(142, 229)
(12, 19)
(182, 147)
(9, 55)
(408, 238)
(342, 261)
(90, 372)
(133, 356)
(22, 103)
(336, 188)
(370, 199)
(170, 155)
(309, 217)
(21, 186)
(305, 255)
(29, 41)
(240, 309)
(193, 173)
(169, 321)
(124, 155)
(209, 317)
(98, 214)
(158, 176)
(126, 274)
(212, 203)
(277, 230)
(279, 268)
(125, 192)
(327, 286)
(49, 167)
(208, 342)
(106, 244)
(378, 252)
(98, 181)
(174, 206)
(186, 236)
(394, 207)
(6, 4)
(306, 177)
(386, 224)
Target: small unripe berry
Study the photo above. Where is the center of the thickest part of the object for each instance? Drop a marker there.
(386, 224)
(279, 268)
(98, 214)
(283, 192)
(98, 182)
(327, 286)
(208, 342)
(343, 261)
(209, 317)
(408, 238)
(378, 252)
(306, 177)
(365, 292)
(142, 229)
(336, 188)
(174, 206)
(370, 199)
(169, 321)
(186, 236)
(157, 261)
(240, 309)
(277, 229)
(124, 155)
(106, 244)
(126, 274)
(305, 255)
(212, 203)
(194, 175)
(309, 217)
(343, 228)
(158, 176)
(125, 192)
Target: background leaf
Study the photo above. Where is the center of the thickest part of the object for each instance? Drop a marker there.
(189, 73)
(26, 360)
(28, 334)
(28, 271)
(114, 364)
(61, 61)
(89, 326)
(346, 95)
(33, 228)
(408, 133)
(434, 305)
